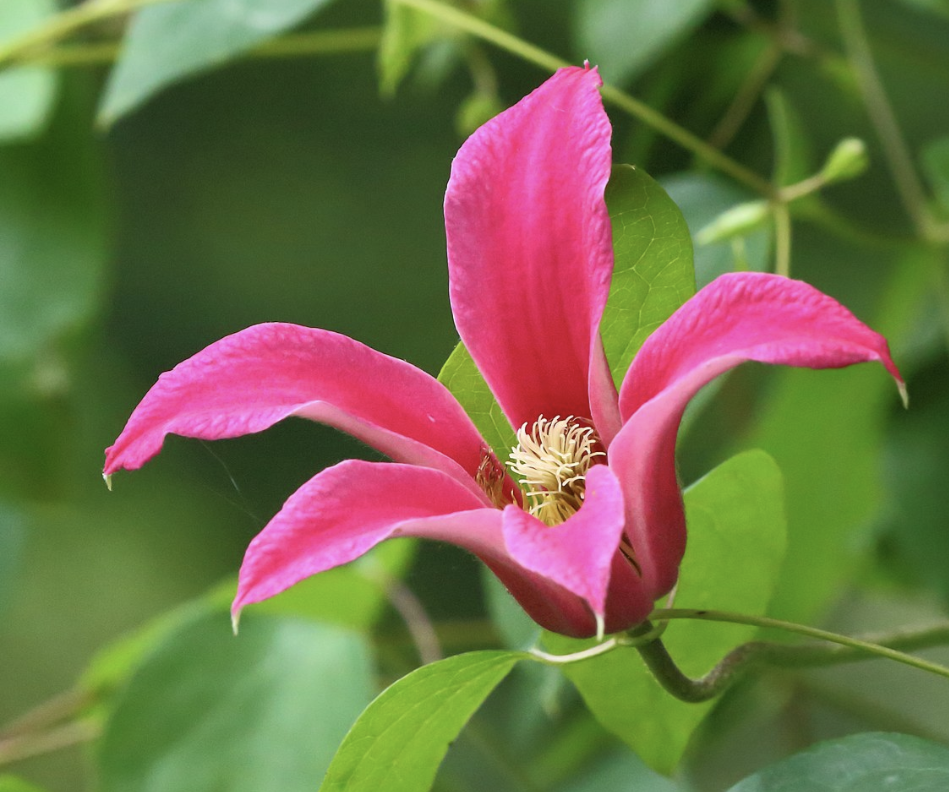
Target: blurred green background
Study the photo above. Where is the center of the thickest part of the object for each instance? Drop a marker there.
(287, 189)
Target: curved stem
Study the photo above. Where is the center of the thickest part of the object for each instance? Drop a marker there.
(779, 654)
(624, 101)
(744, 101)
(13, 749)
(315, 42)
(740, 660)
(908, 185)
(782, 239)
(65, 23)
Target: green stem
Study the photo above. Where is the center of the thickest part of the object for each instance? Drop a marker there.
(744, 100)
(779, 654)
(782, 239)
(908, 185)
(317, 42)
(64, 24)
(622, 100)
(14, 749)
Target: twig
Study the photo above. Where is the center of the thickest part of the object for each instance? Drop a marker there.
(908, 184)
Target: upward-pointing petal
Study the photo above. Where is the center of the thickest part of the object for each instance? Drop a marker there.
(248, 381)
(738, 317)
(529, 247)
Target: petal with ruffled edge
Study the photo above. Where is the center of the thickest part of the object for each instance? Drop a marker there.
(738, 317)
(347, 509)
(249, 381)
(530, 251)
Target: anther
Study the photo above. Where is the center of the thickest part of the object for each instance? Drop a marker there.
(551, 461)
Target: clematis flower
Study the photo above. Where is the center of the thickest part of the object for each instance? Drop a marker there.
(583, 521)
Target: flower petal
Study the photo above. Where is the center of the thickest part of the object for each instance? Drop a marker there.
(577, 554)
(530, 249)
(347, 509)
(250, 380)
(738, 317)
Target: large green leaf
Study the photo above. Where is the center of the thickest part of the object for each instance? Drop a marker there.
(351, 596)
(652, 276)
(27, 93)
(625, 36)
(736, 542)
(399, 741)
(169, 42)
(262, 711)
(652, 271)
(858, 763)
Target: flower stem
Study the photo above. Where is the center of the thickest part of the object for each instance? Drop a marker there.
(636, 108)
(315, 42)
(782, 240)
(740, 660)
(64, 24)
(908, 185)
(13, 749)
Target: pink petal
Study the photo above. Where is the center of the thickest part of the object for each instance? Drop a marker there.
(529, 248)
(347, 509)
(250, 380)
(738, 317)
(577, 554)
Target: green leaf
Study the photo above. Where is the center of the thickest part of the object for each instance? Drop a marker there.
(624, 37)
(461, 376)
(27, 93)
(858, 763)
(736, 543)
(702, 197)
(652, 271)
(401, 738)
(349, 596)
(262, 711)
(935, 161)
(169, 42)
(53, 243)
(405, 33)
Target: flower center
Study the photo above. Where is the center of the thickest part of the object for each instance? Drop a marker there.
(551, 461)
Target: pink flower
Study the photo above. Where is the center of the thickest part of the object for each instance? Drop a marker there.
(584, 523)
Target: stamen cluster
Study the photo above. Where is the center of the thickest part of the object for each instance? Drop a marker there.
(551, 461)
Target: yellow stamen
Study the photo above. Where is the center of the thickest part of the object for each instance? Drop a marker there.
(552, 461)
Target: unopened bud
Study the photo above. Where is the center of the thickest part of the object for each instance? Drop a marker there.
(847, 161)
(740, 220)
